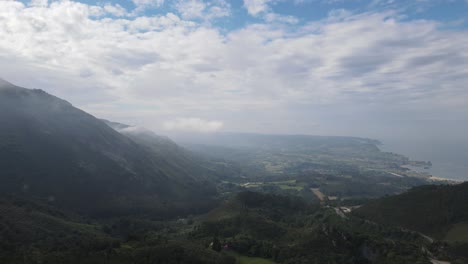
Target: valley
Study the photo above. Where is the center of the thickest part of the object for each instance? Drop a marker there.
(106, 192)
(233, 132)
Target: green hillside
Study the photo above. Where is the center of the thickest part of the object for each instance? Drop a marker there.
(433, 210)
(288, 230)
(173, 159)
(50, 149)
(76, 189)
(34, 232)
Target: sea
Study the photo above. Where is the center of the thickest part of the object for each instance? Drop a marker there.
(449, 157)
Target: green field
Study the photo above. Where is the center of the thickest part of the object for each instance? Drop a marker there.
(289, 187)
(459, 233)
(250, 260)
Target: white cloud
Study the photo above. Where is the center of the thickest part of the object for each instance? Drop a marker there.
(207, 10)
(148, 2)
(145, 70)
(190, 8)
(193, 124)
(115, 10)
(255, 7)
(134, 130)
(217, 11)
(144, 4)
(261, 8)
(40, 3)
(272, 17)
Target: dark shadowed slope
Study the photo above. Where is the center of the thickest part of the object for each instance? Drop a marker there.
(36, 232)
(288, 230)
(433, 210)
(170, 156)
(52, 150)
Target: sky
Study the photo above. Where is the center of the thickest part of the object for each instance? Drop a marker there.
(370, 68)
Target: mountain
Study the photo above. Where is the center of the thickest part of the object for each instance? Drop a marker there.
(56, 152)
(440, 211)
(172, 157)
(288, 230)
(36, 232)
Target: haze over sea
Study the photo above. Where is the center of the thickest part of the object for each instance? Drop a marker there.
(449, 157)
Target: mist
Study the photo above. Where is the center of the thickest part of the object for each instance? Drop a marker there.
(362, 71)
(358, 70)
(224, 132)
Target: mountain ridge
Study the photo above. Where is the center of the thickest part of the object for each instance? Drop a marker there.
(51, 149)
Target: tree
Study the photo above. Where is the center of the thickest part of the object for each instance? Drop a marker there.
(216, 244)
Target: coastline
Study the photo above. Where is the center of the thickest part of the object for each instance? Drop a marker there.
(426, 174)
(446, 180)
(448, 158)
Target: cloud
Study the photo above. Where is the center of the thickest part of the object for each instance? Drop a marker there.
(40, 3)
(272, 17)
(193, 124)
(198, 9)
(142, 4)
(262, 9)
(145, 70)
(255, 7)
(190, 8)
(115, 10)
(134, 130)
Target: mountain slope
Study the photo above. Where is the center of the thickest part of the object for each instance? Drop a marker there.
(288, 230)
(36, 232)
(433, 210)
(172, 157)
(50, 149)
